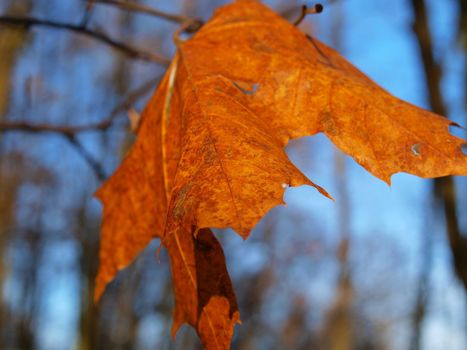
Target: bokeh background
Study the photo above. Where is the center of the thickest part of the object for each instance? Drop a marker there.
(381, 268)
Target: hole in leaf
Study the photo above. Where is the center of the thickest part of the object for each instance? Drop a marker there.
(246, 88)
(416, 150)
(464, 148)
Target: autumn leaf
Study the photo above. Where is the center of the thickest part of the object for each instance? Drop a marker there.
(210, 150)
(202, 286)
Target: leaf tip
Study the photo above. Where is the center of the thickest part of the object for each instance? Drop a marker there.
(99, 289)
(135, 119)
(387, 180)
(236, 318)
(244, 233)
(323, 191)
(177, 322)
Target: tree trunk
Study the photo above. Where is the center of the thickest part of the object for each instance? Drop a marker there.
(444, 188)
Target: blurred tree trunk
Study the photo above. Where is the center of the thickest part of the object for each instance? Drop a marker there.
(8, 188)
(463, 23)
(462, 36)
(444, 191)
(18, 320)
(338, 325)
(444, 188)
(252, 292)
(92, 336)
(30, 296)
(423, 287)
(12, 40)
(88, 234)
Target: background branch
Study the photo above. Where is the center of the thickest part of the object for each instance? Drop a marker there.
(134, 7)
(88, 157)
(6, 126)
(70, 130)
(79, 29)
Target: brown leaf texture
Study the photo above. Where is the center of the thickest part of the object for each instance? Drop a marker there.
(210, 150)
(201, 279)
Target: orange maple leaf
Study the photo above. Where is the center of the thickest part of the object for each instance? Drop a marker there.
(210, 150)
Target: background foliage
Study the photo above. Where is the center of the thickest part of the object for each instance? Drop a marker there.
(375, 270)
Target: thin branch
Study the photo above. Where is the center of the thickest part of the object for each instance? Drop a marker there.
(87, 13)
(133, 96)
(87, 156)
(101, 37)
(134, 7)
(67, 130)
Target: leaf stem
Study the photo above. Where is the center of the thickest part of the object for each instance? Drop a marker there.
(305, 10)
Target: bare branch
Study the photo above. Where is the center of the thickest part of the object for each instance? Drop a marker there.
(101, 37)
(67, 130)
(87, 156)
(134, 7)
(133, 96)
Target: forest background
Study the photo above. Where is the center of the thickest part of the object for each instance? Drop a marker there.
(382, 268)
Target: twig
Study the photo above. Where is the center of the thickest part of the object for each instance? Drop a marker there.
(87, 13)
(134, 7)
(88, 157)
(65, 130)
(132, 97)
(101, 37)
(318, 8)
